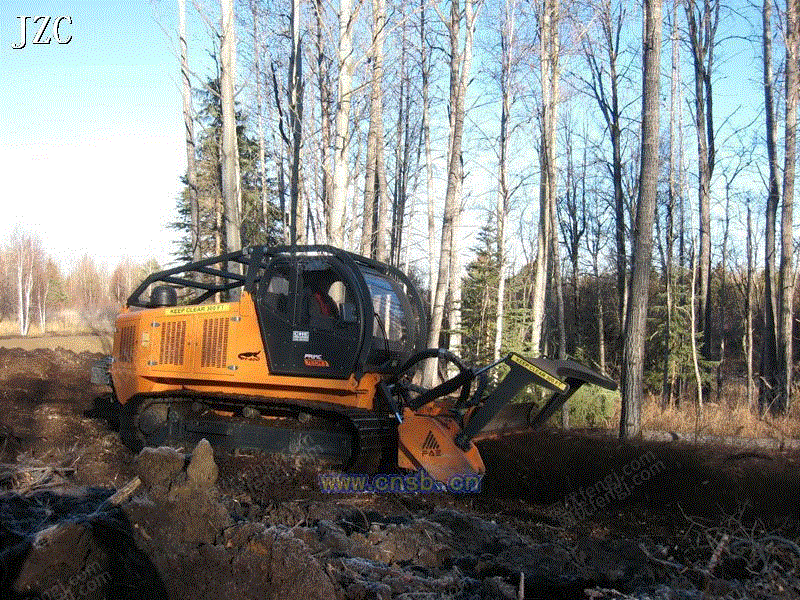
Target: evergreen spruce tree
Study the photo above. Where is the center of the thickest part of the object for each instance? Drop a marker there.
(260, 224)
(479, 301)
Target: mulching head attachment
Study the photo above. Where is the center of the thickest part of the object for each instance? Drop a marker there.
(485, 415)
(436, 434)
(563, 377)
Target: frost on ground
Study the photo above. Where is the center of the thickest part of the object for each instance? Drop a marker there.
(560, 516)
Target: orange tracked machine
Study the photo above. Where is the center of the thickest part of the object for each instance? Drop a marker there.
(310, 350)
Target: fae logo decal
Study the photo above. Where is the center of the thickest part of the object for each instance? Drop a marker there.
(315, 360)
(430, 447)
(249, 355)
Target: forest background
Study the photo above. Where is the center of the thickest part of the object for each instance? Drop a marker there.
(553, 184)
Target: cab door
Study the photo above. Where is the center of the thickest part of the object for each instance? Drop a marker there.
(309, 317)
(275, 308)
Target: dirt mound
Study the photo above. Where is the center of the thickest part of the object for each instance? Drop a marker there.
(45, 375)
(592, 474)
(561, 515)
(183, 523)
(79, 545)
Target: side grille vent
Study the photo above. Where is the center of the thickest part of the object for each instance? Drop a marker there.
(215, 342)
(127, 339)
(173, 341)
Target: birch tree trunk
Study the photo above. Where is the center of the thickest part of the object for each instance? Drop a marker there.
(786, 281)
(426, 130)
(507, 39)
(460, 62)
(341, 156)
(768, 380)
(549, 51)
(44, 290)
(188, 125)
(231, 192)
(22, 245)
(296, 125)
(21, 309)
(635, 323)
(702, 26)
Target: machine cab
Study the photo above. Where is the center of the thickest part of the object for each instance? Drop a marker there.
(324, 312)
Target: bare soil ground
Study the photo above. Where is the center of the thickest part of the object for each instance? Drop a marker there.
(560, 515)
(99, 341)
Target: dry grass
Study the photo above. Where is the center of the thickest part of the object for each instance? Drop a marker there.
(11, 328)
(732, 418)
(64, 323)
(722, 420)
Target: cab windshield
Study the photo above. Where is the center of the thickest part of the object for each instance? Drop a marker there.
(390, 326)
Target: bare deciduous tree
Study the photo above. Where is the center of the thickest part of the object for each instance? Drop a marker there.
(296, 125)
(504, 191)
(460, 62)
(341, 158)
(46, 274)
(549, 50)
(323, 72)
(25, 249)
(702, 26)
(768, 381)
(787, 277)
(633, 353)
(259, 75)
(188, 124)
(231, 191)
(604, 87)
(673, 192)
(373, 237)
(426, 131)
(572, 219)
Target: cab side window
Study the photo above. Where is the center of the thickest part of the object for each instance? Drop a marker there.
(322, 295)
(276, 293)
(389, 323)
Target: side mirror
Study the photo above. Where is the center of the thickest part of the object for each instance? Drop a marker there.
(348, 312)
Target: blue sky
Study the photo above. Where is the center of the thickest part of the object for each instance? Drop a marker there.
(91, 134)
(91, 130)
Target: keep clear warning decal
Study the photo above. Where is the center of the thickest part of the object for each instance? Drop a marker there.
(193, 310)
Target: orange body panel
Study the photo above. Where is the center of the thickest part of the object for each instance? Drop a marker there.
(214, 349)
(217, 349)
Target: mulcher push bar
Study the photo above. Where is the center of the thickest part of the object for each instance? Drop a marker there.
(563, 377)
